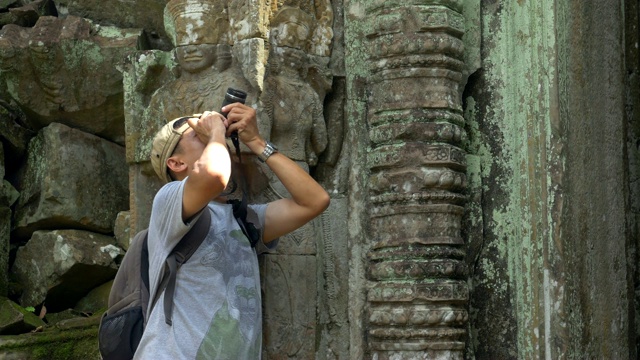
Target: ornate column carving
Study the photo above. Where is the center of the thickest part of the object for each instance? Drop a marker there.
(416, 291)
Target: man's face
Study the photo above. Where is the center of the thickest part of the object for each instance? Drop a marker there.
(189, 148)
(195, 58)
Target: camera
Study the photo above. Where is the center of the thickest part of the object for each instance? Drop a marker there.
(233, 96)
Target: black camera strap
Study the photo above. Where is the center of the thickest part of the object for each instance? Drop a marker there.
(240, 207)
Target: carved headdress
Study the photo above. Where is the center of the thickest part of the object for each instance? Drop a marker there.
(292, 27)
(190, 22)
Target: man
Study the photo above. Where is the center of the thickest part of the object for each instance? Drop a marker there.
(217, 309)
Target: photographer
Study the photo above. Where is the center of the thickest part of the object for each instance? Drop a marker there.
(217, 306)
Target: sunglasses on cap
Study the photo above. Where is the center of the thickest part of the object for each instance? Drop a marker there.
(181, 121)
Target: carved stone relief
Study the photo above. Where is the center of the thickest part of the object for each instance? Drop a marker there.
(200, 33)
(417, 290)
(289, 287)
(45, 69)
(294, 108)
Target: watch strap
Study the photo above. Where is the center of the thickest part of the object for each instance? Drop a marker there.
(269, 149)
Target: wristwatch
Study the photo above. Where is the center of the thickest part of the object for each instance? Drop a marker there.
(269, 149)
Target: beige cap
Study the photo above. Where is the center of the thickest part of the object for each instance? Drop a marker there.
(165, 143)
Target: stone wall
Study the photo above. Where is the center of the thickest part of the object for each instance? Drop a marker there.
(553, 135)
(482, 159)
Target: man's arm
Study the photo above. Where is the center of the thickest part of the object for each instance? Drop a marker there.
(308, 198)
(211, 170)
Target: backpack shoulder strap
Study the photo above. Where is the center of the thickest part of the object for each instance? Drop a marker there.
(192, 240)
(144, 271)
(180, 255)
(240, 214)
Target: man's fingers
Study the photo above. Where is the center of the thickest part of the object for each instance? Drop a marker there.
(193, 122)
(231, 107)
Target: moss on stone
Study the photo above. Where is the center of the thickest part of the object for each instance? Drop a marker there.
(53, 344)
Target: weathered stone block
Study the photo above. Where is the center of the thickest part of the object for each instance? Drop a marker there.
(71, 180)
(48, 66)
(60, 267)
(121, 229)
(96, 300)
(8, 194)
(145, 15)
(143, 185)
(290, 305)
(16, 137)
(16, 320)
(143, 73)
(28, 14)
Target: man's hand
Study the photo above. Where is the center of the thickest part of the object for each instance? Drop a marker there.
(242, 118)
(209, 125)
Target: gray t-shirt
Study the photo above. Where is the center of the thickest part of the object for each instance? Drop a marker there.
(217, 307)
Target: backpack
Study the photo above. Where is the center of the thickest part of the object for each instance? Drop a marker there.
(122, 325)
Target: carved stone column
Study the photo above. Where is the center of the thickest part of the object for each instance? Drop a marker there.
(416, 290)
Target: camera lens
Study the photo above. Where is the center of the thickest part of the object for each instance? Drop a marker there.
(233, 96)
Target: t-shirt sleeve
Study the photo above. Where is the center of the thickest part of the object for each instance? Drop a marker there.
(256, 216)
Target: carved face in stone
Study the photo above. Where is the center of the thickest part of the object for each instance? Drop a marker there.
(292, 29)
(292, 34)
(191, 22)
(195, 58)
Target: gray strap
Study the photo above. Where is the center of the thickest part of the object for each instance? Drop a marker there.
(170, 289)
(179, 255)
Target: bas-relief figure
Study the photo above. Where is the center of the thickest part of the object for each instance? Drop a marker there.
(49, 65)
(295, 110)
(293, 106)
(206, 68)
(205, 71)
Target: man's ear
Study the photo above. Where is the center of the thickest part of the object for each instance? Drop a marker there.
(176, 165)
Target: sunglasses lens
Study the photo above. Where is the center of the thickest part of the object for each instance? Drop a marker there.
(178, 124)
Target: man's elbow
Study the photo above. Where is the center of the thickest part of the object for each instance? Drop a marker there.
(214, 176)
(322, 203)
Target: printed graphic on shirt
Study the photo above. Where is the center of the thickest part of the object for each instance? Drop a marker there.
(234, 329)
